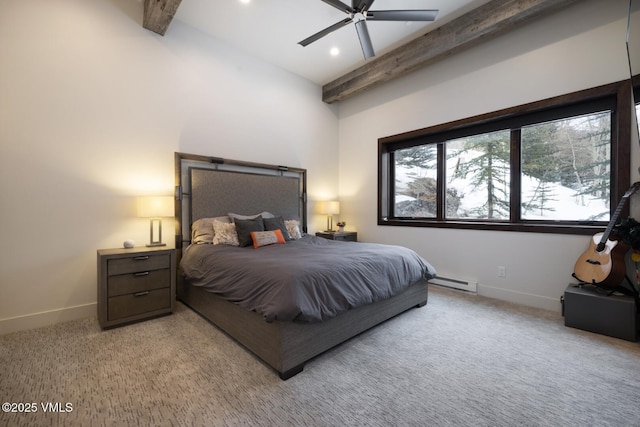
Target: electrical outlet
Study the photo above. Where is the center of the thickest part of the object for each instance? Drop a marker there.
(502, 271)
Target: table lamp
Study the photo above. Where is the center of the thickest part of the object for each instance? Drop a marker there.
(331, 208)
(155, 208)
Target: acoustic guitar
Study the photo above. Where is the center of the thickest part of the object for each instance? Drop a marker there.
(602, 264)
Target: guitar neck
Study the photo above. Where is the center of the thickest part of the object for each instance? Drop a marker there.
(614, 218)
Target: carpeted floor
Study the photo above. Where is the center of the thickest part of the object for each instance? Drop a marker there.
(462, 360)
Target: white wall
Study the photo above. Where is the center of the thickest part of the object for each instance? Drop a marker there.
(92, 109)
(583, 46)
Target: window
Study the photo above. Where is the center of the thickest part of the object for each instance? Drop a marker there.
(478, 176)
(566, 169)
(558, 165)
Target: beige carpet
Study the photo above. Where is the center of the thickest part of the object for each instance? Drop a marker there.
(460, 361)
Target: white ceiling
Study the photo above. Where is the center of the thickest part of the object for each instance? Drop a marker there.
(271, 30)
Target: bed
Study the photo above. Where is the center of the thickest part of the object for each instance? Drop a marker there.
(283, 294)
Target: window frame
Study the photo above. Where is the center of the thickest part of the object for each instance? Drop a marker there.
(618, 97)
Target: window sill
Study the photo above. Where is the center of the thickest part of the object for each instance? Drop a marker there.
(529, 227)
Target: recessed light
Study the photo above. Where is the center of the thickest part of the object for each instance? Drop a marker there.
(245, 1)
(334, 51)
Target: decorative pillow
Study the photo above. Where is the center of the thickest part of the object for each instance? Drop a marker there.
(293, 228)
(202, 229)
(276, 223)
(264, 238)
(225, 233)
(264, 214)
(244, 227)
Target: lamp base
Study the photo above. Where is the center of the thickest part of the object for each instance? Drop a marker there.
(152, 245)
(155, 233)
(329, 224)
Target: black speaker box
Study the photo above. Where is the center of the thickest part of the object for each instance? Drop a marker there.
(597, 310)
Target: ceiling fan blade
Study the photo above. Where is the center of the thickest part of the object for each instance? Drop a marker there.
(340, 6)
(361, 5)
(365, 40)
(324, 32)
(401, 15)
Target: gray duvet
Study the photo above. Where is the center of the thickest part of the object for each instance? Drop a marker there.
(307, 280)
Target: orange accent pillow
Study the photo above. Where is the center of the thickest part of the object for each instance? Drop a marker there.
(264, 238)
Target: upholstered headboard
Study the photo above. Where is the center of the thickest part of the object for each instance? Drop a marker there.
(210, 187)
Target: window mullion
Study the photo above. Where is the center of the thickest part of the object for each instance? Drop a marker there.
(515, 193)
(441, 183)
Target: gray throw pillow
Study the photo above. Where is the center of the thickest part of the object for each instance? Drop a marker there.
(276, 223)
(244, 227)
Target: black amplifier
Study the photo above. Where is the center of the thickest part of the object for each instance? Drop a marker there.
(598, 310)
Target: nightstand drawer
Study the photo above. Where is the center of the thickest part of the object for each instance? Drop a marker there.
(138, 303)
(138, 282)
(345, 237)
(135, 264)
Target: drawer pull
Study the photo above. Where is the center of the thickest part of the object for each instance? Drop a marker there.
(141, 294)
(141, 258)
(143, 273)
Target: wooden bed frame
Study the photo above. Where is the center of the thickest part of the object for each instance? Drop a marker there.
(209, 187)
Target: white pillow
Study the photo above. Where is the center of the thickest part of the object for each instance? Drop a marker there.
(225, 234)
(293, 228)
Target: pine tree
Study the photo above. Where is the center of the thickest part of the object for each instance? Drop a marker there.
(488, 169)
(542, 161)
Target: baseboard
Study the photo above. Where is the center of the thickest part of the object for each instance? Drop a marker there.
(450, 282)
(46, 318)
(530, 300)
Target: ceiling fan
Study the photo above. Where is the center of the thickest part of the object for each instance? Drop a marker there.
(359, 13)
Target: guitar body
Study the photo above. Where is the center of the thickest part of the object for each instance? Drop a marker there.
(603, 268)
(603, 263)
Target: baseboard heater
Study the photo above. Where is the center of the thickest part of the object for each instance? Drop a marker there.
(449, 282)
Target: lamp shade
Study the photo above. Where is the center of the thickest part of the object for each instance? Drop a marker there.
(155, 206)
(332, 207)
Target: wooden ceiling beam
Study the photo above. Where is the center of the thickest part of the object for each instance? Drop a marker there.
(158, 14)
(487, 21)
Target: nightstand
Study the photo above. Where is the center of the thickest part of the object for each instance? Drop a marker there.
(345, 236)
(135, 284)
